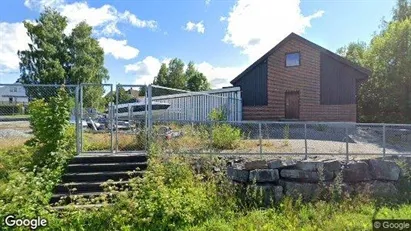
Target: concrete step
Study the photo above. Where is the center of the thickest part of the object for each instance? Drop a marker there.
(99, 176)
(106, 167)
(80, 187)
(109, 158)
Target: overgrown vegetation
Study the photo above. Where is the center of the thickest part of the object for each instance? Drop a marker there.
(51, 129)
(29, 173)
(218, 114)
(385, 97)
(185, 193)
(225, 136)
(286, 135)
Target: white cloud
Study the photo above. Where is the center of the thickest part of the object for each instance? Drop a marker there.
(257, 26)
(219, 76)
(103, 19)
(207, 2)
(138, 22)
(13, 38)
(41, 4)
(118, 48)
(145, 69)
(148, 68)
(191, 26)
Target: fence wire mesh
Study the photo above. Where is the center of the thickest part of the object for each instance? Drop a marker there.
(124, 118)
(130, 116)
(96, 130)
(15, 100)
(336, 140)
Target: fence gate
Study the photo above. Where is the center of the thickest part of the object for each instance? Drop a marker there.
(130, 110)
(94, 118)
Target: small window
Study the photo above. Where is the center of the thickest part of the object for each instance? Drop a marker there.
(292, 59)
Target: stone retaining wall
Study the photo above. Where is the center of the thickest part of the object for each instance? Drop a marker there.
(375, 177)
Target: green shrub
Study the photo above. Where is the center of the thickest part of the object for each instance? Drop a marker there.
(14, 159)
(218, 114)
(224, 136)
(286, 135)
(51, 129)
(170, 197)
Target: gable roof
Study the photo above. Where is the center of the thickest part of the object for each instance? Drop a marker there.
(359, 68)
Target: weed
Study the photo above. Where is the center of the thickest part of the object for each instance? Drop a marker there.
(224, 136)
(286, 135)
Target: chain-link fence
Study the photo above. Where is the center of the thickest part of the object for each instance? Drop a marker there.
(332, 139)
(130, 118)
(96, 133)
(122, 118)
(15, 129)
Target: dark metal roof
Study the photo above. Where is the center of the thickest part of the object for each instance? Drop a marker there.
(359, 68)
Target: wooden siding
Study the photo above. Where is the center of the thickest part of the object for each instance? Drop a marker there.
(305, 79)
(254, 86)
(338, 82)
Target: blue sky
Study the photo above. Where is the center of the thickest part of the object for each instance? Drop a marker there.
(222, 37)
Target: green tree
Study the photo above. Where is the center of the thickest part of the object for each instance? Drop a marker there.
(196, 81)
(174, 76)
(354, 52)
(123, 96)
(386, 96)
(162, 77)
(56, 58)
(402, 10)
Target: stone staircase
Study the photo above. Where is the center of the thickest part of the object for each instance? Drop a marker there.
(87, 172)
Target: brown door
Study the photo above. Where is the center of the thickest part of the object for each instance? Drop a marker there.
(292, 105)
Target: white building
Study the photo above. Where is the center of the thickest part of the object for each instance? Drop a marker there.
(13, 94)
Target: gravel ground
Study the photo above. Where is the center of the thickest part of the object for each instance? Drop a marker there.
(12, 133)
(362, 142)
(10, 130)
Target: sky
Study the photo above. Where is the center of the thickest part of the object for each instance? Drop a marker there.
(222, 37)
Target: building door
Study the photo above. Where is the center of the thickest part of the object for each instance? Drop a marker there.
(292, 105)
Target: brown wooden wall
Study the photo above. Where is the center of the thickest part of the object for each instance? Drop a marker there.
(305, 79)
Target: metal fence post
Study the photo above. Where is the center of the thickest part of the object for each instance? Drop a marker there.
(81, 117)
(116, 111)
(192, 110)
(346, 143)
(77, 120)
(260, 139)
(383, 140)
(150, 112)
(110, 115)
(305, 141)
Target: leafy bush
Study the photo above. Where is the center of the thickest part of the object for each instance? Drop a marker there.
(225, 136)
(13, 160)
(218, 114)
(51, 129)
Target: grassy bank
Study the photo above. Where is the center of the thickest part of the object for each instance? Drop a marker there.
(174, 196)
